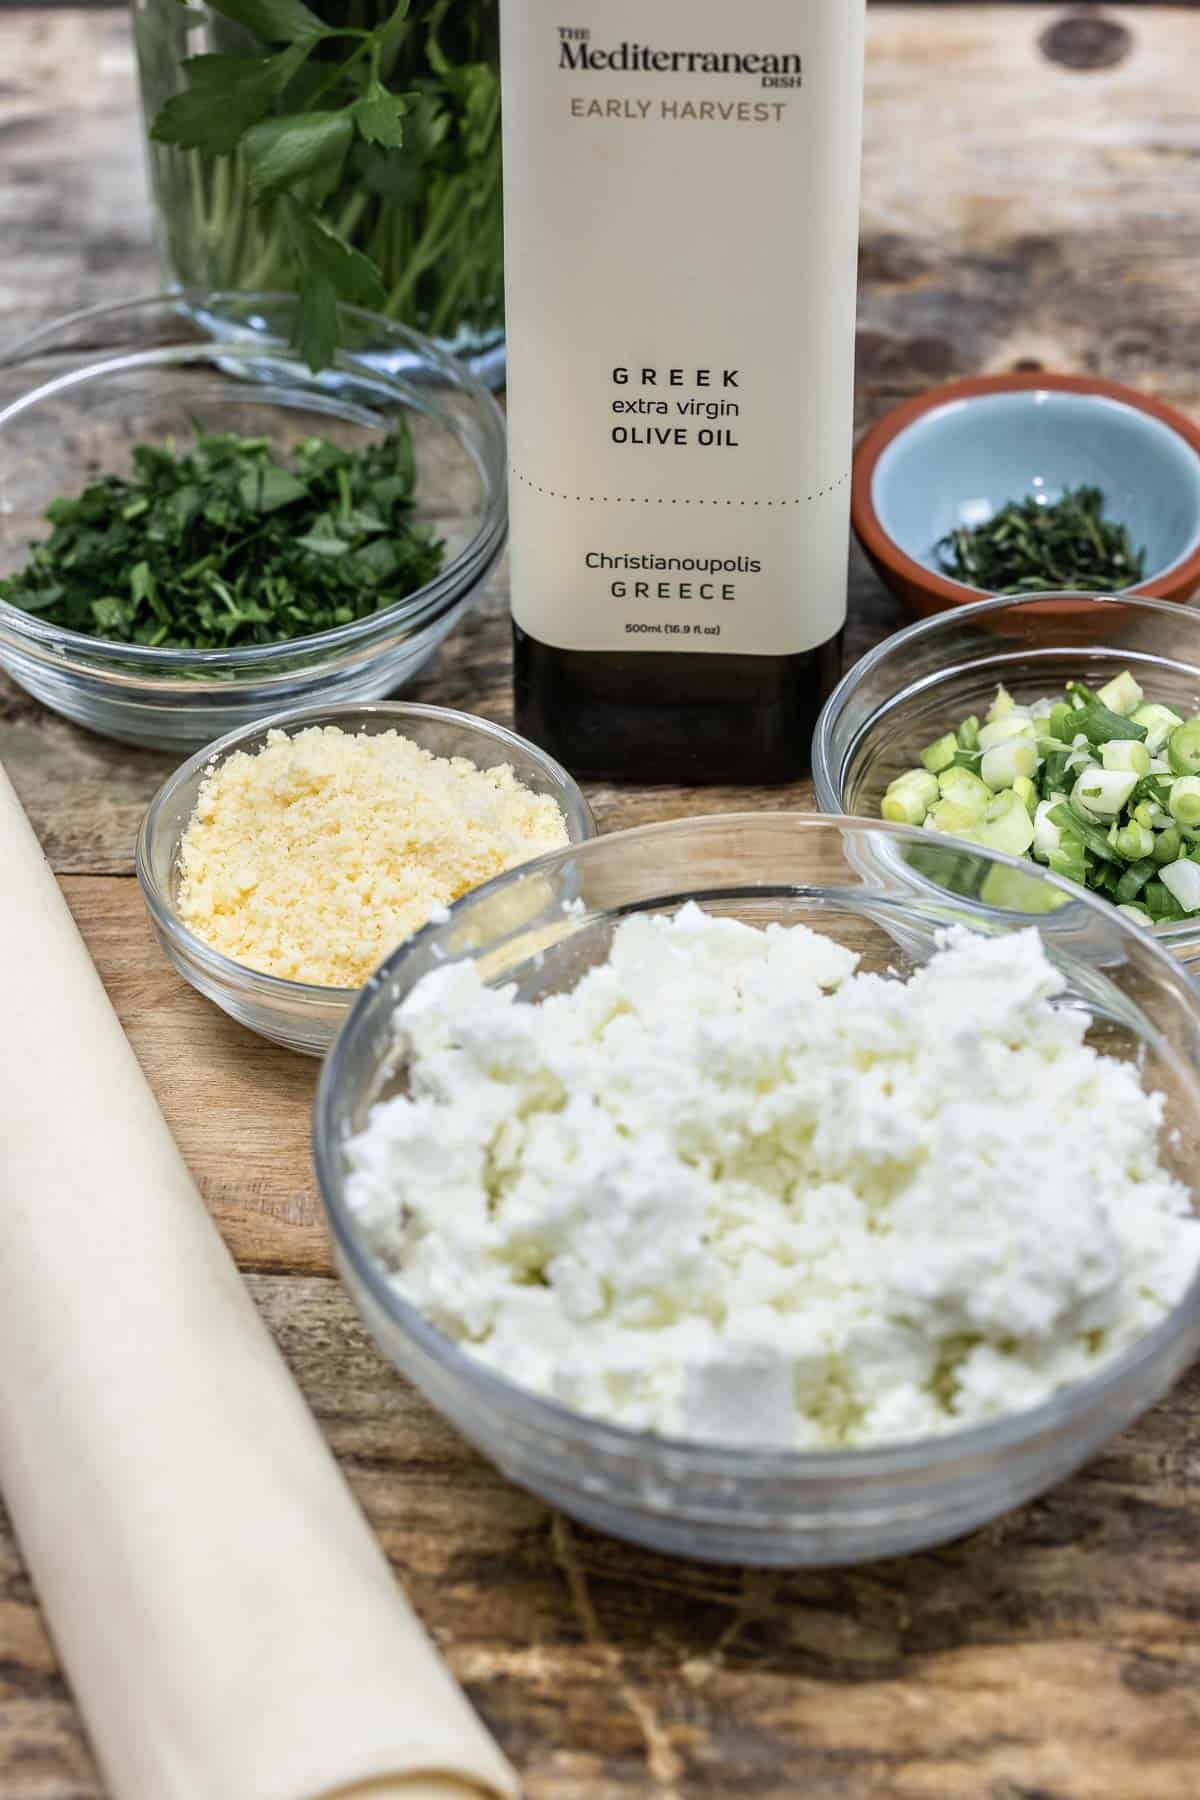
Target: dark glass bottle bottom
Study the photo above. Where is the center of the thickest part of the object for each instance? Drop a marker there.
(677, 716)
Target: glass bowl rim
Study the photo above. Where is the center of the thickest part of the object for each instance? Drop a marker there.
(931, 1455)
(828, 797)
(448, 584)
(581, 828)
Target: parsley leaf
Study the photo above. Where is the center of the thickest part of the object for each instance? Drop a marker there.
(225, 97)
(329, 270)
(266, 487)
(380, 116)
(280, 151)
(274, 21)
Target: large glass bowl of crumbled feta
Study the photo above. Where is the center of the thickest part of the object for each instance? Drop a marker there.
(1062, 729)
(750, 1197)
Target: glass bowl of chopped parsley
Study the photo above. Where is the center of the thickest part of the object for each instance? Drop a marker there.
(194, 535)
(1063, 730)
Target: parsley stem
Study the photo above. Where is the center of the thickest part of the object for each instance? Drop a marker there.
(340, 70)
(347, 220)
(428, 248)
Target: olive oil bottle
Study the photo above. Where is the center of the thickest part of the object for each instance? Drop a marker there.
(681, 224)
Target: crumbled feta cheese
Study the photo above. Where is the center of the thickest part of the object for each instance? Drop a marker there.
(730, 1189)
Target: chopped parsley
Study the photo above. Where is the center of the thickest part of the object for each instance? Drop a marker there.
(226, 545)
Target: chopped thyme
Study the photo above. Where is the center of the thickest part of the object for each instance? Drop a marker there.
(1034, 547)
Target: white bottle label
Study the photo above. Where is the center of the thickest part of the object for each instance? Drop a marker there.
(681, 216)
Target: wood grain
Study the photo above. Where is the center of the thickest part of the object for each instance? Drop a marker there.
(1052, 1654)
(1017, 210)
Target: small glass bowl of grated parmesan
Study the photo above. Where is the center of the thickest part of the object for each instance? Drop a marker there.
(749, 1199)
(282, 864)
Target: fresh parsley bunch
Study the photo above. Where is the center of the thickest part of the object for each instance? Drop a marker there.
(308, 103)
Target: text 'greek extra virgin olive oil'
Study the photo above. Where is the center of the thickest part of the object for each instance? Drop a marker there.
(681, 205)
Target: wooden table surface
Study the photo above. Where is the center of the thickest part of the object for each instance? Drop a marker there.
(1030, 199)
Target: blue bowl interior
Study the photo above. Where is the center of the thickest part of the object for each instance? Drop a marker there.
(959, 463)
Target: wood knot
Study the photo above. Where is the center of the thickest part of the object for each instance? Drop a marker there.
(1085, 38)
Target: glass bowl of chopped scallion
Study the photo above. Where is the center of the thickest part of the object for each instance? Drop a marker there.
(194, 535)
(1061, 729)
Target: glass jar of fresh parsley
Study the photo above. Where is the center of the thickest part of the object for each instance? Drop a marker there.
(345, 149)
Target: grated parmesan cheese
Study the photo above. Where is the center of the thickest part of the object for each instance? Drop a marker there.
(314, 857)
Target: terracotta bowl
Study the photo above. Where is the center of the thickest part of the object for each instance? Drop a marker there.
(956, 454)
